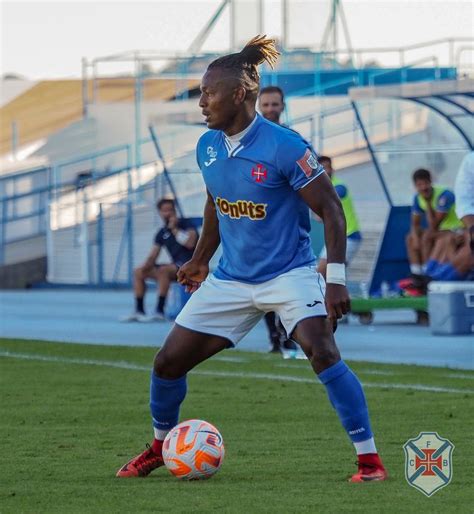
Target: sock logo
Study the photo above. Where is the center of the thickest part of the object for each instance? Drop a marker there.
(357, 431)
(242, 209)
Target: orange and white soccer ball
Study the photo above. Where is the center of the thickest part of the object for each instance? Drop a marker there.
(193, 450)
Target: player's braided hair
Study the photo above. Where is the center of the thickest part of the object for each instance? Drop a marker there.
(244, 64)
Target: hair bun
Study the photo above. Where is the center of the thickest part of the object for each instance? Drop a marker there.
(258, 50)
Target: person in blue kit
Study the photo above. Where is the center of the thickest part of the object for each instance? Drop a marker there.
(257, 176)
(179, 237)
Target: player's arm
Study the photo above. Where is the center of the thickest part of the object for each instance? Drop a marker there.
(445, 202)
(437, 219)
(416, 218)
(322, 199)
(434, 217)
(152, 256)
(210, 239)
(196, 270)
(415, 223)
(191, 238)
(186, 238)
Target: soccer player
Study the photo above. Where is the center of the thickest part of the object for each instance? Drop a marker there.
(354, 237)
(437, 205)
(271, 103)
(179, 237)
(257, 176)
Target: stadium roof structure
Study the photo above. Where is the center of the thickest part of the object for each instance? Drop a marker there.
(452, 99)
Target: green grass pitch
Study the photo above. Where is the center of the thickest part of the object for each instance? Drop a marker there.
(71, 415)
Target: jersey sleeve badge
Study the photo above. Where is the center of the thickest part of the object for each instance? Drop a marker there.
(308, 163)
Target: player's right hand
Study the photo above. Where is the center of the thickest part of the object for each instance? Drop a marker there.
(191, 274)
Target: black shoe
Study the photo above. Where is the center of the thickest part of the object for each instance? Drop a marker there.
(275, 345)
(275, 348)
(289, 344)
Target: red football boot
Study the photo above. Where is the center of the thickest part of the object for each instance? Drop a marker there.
(370, 468)
(141, 465)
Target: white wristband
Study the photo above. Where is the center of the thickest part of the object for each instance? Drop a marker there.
(336, 273)
(181, 237)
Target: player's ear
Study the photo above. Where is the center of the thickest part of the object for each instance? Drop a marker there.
(240, 94)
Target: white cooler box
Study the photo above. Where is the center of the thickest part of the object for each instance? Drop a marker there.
(451, 307)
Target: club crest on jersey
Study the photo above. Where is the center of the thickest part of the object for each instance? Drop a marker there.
(308, 163)
(242, 209)
(212, 154)
(259, 173)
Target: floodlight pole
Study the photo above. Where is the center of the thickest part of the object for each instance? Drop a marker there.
(232, 41)
(138, 119)
(85, 86)
(200, 39)
(331, 31)
(284, 21)
(261, 24)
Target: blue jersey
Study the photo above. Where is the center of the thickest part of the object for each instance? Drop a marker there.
(263, 231)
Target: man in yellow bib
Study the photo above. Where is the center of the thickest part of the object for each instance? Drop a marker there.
(436, 204)
(354, 237)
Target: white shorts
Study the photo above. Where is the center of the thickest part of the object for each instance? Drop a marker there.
(231, 309)
(352, 246)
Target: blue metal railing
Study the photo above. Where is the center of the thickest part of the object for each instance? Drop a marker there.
(436, 70)
(31, 190)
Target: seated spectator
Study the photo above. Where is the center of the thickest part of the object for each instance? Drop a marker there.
(179, 237)
(354, 237)
(436, 204)
(451, 259)
(464, 189)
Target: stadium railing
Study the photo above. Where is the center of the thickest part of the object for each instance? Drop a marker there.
(105, 234)
(24, 196)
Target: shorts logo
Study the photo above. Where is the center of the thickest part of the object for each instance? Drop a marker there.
(428, 462)
(259, 173)
(308, 163)
(313, 304)
(242, 209)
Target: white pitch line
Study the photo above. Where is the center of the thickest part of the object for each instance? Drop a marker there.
(223, 358)
(459, 375)
(226, 374)
(359, 372)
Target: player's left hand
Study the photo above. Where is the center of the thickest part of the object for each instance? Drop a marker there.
(338, 301)
(191, 274)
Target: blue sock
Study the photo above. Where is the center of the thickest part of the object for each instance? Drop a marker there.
(347, 397)
(166, 397)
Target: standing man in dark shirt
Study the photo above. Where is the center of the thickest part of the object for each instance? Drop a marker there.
(179, 237)
(271, 103)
